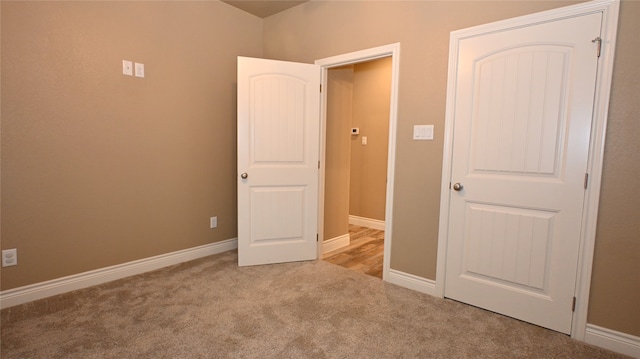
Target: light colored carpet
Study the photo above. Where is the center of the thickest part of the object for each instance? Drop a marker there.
(211, 308)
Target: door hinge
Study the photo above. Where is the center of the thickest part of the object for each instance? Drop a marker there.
(320, 87)
(586, 180)
(318, 164)
(598, 40)
(573, 305)
(317, 237)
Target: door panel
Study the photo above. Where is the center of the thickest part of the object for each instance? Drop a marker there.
(278, 149)
(277, 119)
(521, 97)
(524, 100)
(277, 213)
(508, 246)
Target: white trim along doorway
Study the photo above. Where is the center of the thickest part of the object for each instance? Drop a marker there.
(609, 10)
(393, 51)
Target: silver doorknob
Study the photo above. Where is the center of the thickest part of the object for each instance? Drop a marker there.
(458, 186)
(244, 175)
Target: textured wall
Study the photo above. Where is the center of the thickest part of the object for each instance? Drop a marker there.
(371, 96)
(99, 168)
(615, 284)
(338, 151)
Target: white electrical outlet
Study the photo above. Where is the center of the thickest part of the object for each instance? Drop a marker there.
(213, 222)
(9, 257)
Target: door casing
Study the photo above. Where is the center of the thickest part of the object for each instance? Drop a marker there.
(392, 50)
(609, 10)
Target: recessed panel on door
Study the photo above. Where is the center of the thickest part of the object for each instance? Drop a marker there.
(277, 119)
(507, 246)
(520, 101)
(277, 214)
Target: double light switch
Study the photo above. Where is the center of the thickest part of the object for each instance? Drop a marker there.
(423, 132)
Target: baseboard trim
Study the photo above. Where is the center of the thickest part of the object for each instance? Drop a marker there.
(29, 293)
(367, 222)
(613, 340)
(411, 281)
(336, 243)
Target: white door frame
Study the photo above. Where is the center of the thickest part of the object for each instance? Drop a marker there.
(392, 50)
(609, 10)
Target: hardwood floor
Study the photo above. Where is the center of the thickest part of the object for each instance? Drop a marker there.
(364, 254)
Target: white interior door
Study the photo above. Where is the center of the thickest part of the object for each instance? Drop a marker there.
(523, 111)
(278, 149)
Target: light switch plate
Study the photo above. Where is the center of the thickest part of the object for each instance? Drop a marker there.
(9, 257)
(423, 132)
(139, 70)
(127, 67)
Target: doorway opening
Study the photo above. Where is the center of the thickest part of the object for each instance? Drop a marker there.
(359, 112)
(357, 137)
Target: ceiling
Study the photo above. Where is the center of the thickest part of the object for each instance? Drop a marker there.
(264, 8)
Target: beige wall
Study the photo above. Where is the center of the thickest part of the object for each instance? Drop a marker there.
(338, 152)
(371, 96)
(99, 168)
(615, 284)
(320, 29)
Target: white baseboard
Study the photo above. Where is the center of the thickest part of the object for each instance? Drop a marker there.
(411, 281)
(336, 243)
(612, 340)
(367, 222)
(29, 293)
